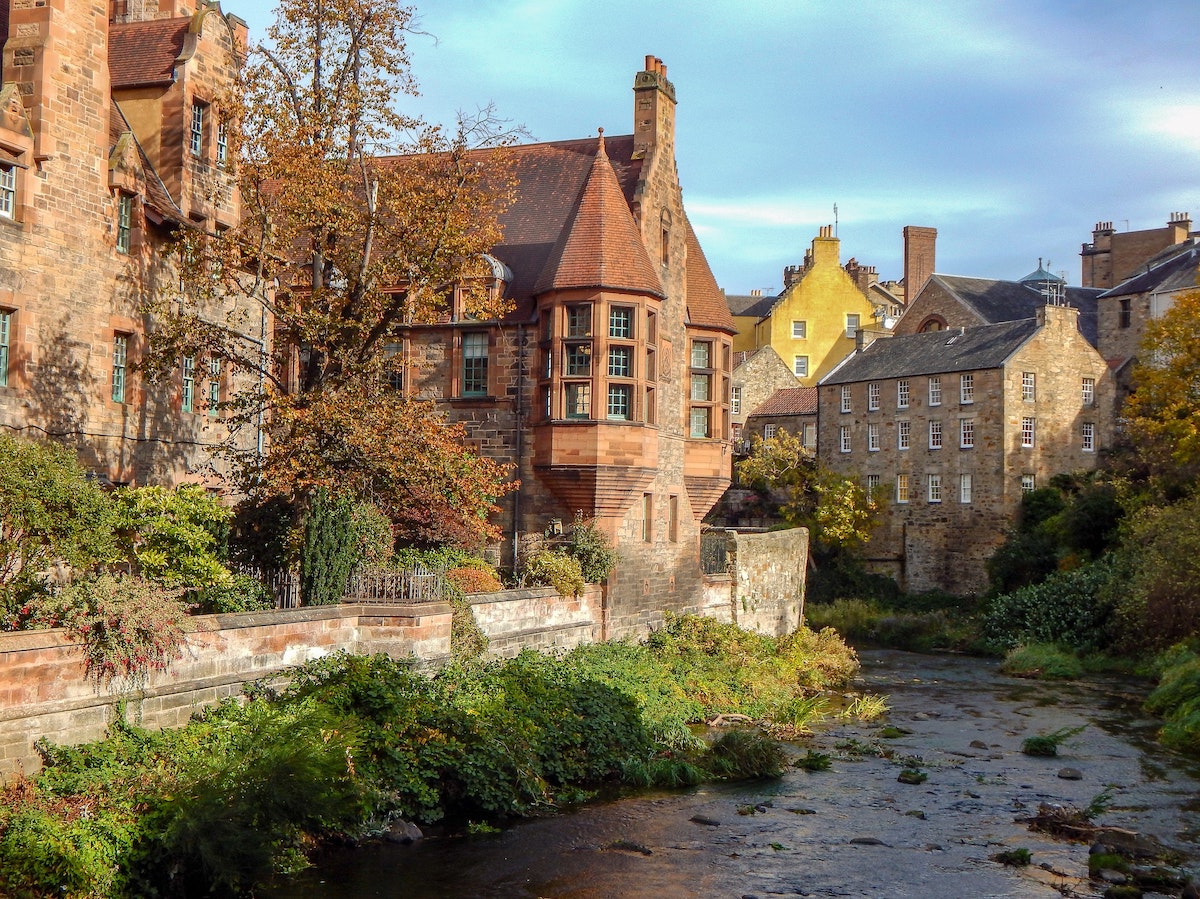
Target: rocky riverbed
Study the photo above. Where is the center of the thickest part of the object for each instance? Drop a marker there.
(922, 803)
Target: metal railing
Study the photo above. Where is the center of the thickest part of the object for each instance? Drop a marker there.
(714, 552)
(420, 584)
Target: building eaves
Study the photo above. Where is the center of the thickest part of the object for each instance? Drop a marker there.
(934, 352)
(706, 307)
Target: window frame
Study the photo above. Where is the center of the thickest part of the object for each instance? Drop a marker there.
(799, 329)
(874, 396)
(120, 366)
(196, 126)
(847, 399)
(1028, 387)
(872, 437)
(902, 393)
(735, 400)
(474, 366)
(622, 370)
(621, 322)
(903, 491)
(623, 395)
(124, 222)
(966, 489)
(935, 433)
(853, 324)
(966, 433)
(1028, 483)
(1088, 391)
(214, 386)
(769, 430)
(800, 366)
(844, 439)
(187, 392)
(935, 390)
(8, 190)
(6, 320)
(1028, 432)
(1088, 436)
(966, 389)
(903, 435)
(933, 487)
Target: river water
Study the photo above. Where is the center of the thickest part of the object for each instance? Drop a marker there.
(851, 831)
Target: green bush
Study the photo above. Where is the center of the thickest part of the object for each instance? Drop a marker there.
(330, 549)
(243, 593)
(592, 548)
(1177, 700)
(1042, 660)
(556, 569)
(50, 513)
(1071, 608)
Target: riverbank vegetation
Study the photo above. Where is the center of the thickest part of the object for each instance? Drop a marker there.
(1099, 569)
(351, 744)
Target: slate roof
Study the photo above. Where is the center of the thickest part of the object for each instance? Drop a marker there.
(789, 401)
(1174, 269)
(934, 352)
(743, 305)
(1004, 301)
(601, 246)
(551, 181)
(143, 54)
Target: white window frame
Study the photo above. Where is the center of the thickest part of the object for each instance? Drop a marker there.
(966, 389)
(1028, 483)
(120, 367)
(844, 439)
(902, 490)
(800, 366)
(902, 393)
(735, 400)
(769, 431)
(873, 395)
(1028, 431)
(1089, 437)
(196, 129)
(222, 143)
(903, 435)
(8, 191)
(935, 391)
(124, 222)
(1088, 390)
(873, 437)
(1028, 387)
(853, 324)
(934, 488)
(935, 434)
(966, 433)
(965, 488)
(847, 399)
(799, 330)
(6, 317)
(187, 401)
(873, 481)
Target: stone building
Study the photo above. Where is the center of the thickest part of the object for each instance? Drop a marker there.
(1115, 256)
(110, 141)
(756, 376)
(607, 387)
(792, 409)
(957, 424)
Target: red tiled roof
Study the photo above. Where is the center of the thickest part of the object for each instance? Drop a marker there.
(141, 54)
(706, 304)
(601, 247)
(790, 401)
(550, 178)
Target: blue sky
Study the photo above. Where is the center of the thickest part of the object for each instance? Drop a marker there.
(1011, 126)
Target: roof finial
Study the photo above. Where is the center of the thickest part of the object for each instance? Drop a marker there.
(601, 151)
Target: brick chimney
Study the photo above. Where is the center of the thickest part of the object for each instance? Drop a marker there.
(1180, 226)
(653, 110)
(920, 245)
(826, 248)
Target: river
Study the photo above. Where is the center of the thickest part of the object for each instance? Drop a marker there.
(851, 831)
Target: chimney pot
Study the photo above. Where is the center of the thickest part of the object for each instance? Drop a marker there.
(649, 63)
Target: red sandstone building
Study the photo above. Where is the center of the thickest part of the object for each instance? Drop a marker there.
(110, 140)
(607, 388)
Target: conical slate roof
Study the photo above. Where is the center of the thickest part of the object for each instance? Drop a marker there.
(601, 246)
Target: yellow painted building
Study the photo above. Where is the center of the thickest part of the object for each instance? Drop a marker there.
(813, 324)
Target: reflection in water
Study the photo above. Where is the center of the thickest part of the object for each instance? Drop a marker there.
(853, 831)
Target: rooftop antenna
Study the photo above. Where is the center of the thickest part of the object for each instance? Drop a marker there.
(835, 220)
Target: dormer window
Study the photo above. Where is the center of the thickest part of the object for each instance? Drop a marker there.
(196, 133)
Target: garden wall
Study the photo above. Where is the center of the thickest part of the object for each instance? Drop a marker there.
(769, 572)
(43, 692)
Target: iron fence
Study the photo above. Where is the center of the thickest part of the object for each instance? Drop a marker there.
(420, 584)
(714, 552)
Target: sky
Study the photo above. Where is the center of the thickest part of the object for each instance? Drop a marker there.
(1010, 126)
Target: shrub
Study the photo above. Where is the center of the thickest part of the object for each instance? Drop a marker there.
(1071, 608)
(475, 579)
(1177, 700)
(50, 513)
(330, 549)
(127, 626)
(556, 569)
(592, 548)
(243, 593)
(175, 537)
(745, 754)
(1162, 605)
(1042, 660)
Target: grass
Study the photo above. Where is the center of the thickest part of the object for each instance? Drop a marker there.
(1042, 660)
(1046, 745)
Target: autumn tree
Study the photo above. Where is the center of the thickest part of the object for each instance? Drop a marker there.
(1162, 415)
(356, 221)
(839, 512)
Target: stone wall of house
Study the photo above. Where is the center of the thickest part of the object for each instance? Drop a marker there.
(769, 578)
(43, 692)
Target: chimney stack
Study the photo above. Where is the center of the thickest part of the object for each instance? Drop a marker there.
(653, 110)
(920, 245)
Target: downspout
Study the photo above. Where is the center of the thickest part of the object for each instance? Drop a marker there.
(519, 441)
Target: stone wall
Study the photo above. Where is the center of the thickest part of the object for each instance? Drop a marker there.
(537, 618)
(43, 692)
(769, 578)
